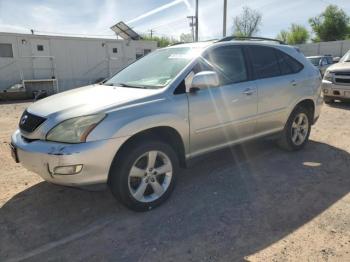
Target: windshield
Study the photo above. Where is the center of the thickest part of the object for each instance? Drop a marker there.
(155, 70)
(345, 58)
(315, 60)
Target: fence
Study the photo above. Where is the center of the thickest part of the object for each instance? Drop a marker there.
(335, 48)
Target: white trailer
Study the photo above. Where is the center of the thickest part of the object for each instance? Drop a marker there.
(59, 63)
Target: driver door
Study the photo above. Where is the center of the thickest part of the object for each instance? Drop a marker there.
(220, 116)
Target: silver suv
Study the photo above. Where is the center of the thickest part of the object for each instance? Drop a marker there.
(135, 130)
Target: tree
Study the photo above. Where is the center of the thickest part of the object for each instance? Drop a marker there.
(331, 25)
(297, 34)
(186, 38)
(161, 41)
(283, 36)
(247, 23)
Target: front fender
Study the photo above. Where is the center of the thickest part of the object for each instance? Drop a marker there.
(171, 113)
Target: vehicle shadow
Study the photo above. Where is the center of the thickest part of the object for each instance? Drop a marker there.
(231, 204)
(341, 105)
(8, 102)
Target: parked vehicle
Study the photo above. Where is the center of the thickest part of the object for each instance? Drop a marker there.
(20, 92)
(336, 59)
(336, 81)
(321, 62)
(135, 130)
(15, 92)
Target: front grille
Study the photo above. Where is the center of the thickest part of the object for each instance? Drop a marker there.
(342, 80)
(30, 122)
(342, 73)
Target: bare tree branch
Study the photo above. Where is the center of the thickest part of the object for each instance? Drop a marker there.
(247, 23)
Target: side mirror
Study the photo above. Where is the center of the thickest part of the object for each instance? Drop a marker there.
(204, 79)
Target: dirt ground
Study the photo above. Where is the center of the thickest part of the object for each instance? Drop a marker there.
(254, 202)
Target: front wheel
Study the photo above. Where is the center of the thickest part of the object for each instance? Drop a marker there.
(297, 130)
(144, 176)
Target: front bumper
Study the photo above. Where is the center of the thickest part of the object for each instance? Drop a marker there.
(42, 157)
(335, 91)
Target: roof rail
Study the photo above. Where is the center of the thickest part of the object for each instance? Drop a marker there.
(230, 38)
(177, 43)
(202, 41)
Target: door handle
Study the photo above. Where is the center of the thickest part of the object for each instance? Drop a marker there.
(248, 91)
(293, 82)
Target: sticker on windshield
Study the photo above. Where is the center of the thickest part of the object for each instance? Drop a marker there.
(179, 56)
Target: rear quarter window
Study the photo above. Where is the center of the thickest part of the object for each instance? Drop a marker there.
(288, 65)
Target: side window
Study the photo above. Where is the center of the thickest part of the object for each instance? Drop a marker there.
(201, 66)
(6, 50)
(264, 61)
(40, 47)
(288, 64)
(229, 62)
(329, 60)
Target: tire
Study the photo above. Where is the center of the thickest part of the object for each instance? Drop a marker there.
(132, 173)
(328, 100)
(290, 139)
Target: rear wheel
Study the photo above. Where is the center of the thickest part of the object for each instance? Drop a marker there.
(144, 176)
(297, 130)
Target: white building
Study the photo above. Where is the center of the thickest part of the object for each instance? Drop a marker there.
(58, 63)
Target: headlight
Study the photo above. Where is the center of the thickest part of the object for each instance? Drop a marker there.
(328, 76)
(74, 130)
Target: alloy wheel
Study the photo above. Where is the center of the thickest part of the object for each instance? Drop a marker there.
(150, 176)
(300, 129)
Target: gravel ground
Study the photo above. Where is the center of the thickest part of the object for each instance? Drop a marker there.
(254, 202)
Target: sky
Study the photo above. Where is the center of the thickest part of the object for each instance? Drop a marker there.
(165, 17)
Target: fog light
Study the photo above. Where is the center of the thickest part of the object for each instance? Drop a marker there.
(325, 91)
(67, 170)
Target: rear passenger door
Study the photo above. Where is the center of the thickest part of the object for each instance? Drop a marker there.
(277, 81)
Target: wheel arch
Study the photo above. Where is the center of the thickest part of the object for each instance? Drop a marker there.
(307, 103)
(166, 134)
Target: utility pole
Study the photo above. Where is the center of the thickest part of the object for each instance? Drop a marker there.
(151, 31)
(192, 25)
(224, 19)
(196, 38)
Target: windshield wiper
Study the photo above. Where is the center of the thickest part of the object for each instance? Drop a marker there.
(128, 85)
(124, 85)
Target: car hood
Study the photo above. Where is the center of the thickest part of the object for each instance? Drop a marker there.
(88, 100)
(340, 67)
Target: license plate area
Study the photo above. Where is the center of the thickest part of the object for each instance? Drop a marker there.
(14, 153)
